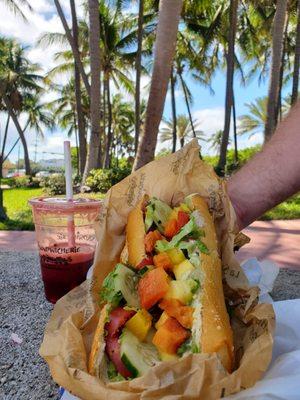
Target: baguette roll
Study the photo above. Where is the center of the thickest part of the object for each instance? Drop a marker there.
(186, 284)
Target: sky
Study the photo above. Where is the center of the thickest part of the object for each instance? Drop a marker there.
(207, 109)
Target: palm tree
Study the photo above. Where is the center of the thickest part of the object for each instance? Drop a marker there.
(230, 57)
(79, 111)
(138, 65)
(216, 141)
(123, 124)
(165, 45)
(255, 120)
(18, 79)
(95, 57)
(14, 6)
(185, 130)
(277, 48)
(38, 115)
(297, 59)
(73, 44)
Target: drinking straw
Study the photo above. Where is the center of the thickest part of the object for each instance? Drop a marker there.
(69, 191)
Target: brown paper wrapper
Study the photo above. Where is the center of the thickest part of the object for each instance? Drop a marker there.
(69, 333)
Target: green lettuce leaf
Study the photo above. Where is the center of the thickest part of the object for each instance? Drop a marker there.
(113, 374)
(158, 212)
(188, 346)
(108, 292)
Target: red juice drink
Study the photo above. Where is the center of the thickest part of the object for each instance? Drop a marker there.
(65, 231)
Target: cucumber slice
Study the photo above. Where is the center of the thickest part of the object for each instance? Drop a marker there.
(125, 281)
(138, 357)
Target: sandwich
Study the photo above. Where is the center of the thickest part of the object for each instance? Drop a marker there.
(164, 300)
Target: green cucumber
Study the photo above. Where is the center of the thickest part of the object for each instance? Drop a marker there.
(120, 283)
(125, 282)
(138, 357)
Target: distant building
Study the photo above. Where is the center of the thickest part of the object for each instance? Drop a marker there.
(53, 163)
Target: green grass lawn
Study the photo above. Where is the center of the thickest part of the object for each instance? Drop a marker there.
(20, 216)
(289, 209)
(18, 210)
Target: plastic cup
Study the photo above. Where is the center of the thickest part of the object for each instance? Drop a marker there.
(65, 232)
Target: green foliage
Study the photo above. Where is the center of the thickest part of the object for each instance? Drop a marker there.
(101, 180)
(244, 156)
(54, 184)
(289, 209)
(21, 181)
(17, 208)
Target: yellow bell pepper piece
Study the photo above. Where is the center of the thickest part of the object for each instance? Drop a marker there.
(176, 256)
(167, 356)
(140, 324)
(182, 270)
(164, 316)
(184, 208)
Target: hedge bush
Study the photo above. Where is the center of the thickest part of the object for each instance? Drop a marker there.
(54, 184)
(244, 156)
(101, 180)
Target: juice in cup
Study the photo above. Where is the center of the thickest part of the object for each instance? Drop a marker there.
(65, 232)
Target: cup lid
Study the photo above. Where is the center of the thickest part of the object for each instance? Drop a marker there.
(62, 204)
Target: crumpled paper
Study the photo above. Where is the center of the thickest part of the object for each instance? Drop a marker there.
(282, 379)
(69, 333)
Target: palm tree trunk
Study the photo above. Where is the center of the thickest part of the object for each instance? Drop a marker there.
(95, 58)
(20, 132)
(75, 51)
(186, 99)
(3, 215)
(165, 45)
(109, 123)
(229, 86)
(79, 112)
(174, 116)
(5, 137)
(138, 65)
(279, 102)
(182, 141)
(277, 48)
(236, 154)
(297, 60)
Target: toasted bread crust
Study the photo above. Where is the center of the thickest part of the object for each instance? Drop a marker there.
(97, 343)
(216, 333)
(135, 234)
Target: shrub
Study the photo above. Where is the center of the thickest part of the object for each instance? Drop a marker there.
(244, 156)
(101, 180)
(54, 184)
(21, 181)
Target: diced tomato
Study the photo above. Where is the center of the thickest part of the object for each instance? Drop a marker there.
(169, 336)
(113, 351)
(152, 287)
(150, 239)
(162, 260)
(182, 219)
(171, 228)
(117, 319)
(174, 308)
(146, 261)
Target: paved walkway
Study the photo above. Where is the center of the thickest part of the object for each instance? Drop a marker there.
(278, 241)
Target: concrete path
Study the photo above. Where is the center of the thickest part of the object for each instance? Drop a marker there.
(278, 241)
(17, 241)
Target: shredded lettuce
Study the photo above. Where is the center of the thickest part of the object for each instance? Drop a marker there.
(108, 291)
(158, 212)
(189, 229)
(188, 346)
(113, 374)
